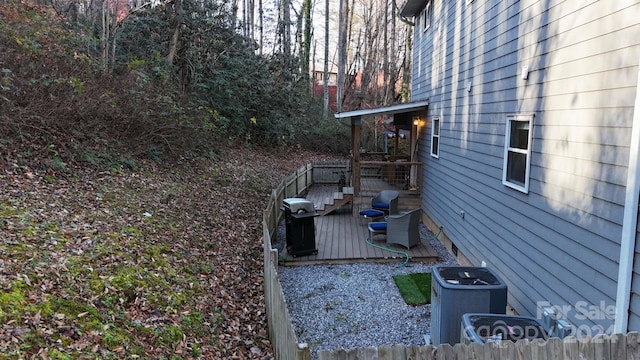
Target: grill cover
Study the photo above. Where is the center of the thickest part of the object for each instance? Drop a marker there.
(298, 205)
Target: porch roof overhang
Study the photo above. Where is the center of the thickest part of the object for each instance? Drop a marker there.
(411, 7)
(385, 110)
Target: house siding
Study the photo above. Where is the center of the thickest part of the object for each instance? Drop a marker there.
(634, 311)
(559, 243)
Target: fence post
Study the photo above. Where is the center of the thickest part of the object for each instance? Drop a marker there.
(303, 352)
(601, 347)
(571, 348)
(274, 258)
(633, 345)
(444, 352)
(586, 348)
(554, 346)
(618, 346)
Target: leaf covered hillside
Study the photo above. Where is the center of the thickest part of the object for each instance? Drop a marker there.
(158, 262)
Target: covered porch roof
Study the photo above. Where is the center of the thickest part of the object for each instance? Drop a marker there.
(385, 110)
(411, 7)
(403, 114)
(404, 117)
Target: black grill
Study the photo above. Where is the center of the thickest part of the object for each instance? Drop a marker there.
(300, 229)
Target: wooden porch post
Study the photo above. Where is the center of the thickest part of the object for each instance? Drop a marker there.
(415, 131)
(414, 140)
(356, 124)
(397, 139)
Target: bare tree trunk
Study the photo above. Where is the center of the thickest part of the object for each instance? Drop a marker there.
(173, 43)
(306, 45)
(252, 20)
(114, 29)
(313, 68)
(104, 36)
(249, 9)
(245, 18)
(325, 76)
(277, 43)
(406, 65)
(369, 39)
(234, 12)
(283, 42)
(286, 25)
(342, 52)
(386, 75)
(299, 35)
(113, 49)
(261, 29)
(391, 94)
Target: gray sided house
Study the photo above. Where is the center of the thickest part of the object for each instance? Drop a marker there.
(530, 148)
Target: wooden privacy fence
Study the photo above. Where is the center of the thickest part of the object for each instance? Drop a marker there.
(285, 341)
(281, 332)
(298, 183)
(329, 172)
(601, 347)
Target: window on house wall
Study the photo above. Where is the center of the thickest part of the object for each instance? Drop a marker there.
(517, 152)
(435, 137)
(425, 16)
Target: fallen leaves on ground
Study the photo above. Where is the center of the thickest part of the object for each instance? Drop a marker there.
(163, 261)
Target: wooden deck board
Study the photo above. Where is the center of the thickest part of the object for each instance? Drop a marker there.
(341, 238)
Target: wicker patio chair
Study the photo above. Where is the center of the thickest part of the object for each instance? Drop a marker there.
(387, 201)
(400, 229)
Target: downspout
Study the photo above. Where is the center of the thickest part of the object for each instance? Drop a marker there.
(629, 222)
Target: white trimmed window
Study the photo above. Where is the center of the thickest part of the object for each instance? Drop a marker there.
(517, 152)
(435, 137)
(425, 15)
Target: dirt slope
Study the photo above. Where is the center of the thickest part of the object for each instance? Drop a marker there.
(158, 261)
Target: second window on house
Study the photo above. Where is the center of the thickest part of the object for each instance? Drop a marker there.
(435, 137)
(517, 152)
(426, 15)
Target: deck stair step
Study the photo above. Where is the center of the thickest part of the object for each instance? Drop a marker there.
(339, 198)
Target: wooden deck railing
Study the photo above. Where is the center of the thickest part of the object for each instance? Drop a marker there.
(286, 346)
(400, 175)
(404, 176)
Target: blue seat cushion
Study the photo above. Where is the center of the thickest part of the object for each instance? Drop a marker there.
(371, 213)
(378, 226)
(380, 205)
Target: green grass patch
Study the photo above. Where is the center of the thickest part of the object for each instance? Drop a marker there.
(415, 288)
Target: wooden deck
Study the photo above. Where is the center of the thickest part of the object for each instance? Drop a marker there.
(341, 236)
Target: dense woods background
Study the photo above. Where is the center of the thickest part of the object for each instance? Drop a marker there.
(98, 80)
(75, 88)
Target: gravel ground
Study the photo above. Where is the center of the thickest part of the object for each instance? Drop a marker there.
(356, 305)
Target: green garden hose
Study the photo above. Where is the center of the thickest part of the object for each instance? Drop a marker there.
(434, 237)
(406, 254)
